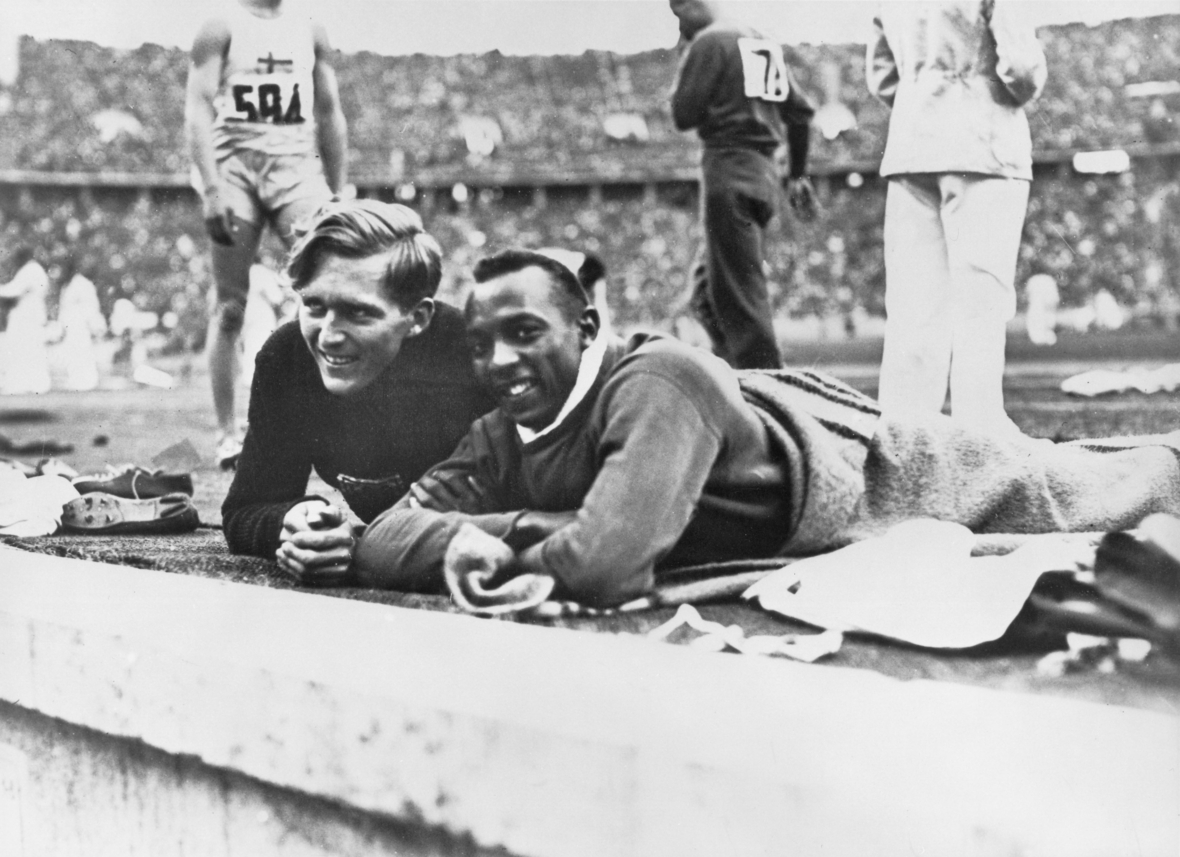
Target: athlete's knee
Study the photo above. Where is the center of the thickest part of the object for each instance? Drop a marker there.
(229, 316)
(988, 303)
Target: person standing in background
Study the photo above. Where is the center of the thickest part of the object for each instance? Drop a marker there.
(1043, 299)
(81, 320)
(268, 305)
(958, 159)
(24, 359)
(733, 86)
(268, 140)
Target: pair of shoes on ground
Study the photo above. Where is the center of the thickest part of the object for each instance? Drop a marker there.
(132, 501)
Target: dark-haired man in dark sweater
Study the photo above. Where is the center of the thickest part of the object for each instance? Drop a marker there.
(734, 87)
(610, 460)
(371, 387)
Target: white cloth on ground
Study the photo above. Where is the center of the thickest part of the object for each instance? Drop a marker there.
(717, 637)
(918, 583)
(32, 506)
(1096, 382)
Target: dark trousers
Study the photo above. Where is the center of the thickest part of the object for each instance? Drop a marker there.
(739, 195)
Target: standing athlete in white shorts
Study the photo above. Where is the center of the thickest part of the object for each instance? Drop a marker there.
(268, 139)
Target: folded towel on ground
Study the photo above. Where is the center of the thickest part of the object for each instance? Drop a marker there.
(32, 506)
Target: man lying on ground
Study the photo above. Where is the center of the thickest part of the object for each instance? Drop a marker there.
(371, 387)
(609, 460)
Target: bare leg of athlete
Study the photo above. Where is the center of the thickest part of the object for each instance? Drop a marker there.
(231, 274)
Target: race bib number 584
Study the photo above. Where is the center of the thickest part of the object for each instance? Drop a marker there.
(764, 69)
(272, 99)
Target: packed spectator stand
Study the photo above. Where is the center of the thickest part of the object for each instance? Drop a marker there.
(580, 151)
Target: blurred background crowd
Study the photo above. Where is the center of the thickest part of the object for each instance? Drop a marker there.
(580, 151)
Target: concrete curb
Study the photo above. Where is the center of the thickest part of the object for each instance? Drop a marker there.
(559, 744)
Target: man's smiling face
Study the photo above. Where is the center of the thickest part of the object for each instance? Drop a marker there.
(525, 348)
(353, 329)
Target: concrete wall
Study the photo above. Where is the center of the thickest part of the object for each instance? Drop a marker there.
(527, 739)
(69, 790)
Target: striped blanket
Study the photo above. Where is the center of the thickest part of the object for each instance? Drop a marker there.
(857, 472)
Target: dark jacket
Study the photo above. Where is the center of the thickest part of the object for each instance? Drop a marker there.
(720, 67)
(409, 419)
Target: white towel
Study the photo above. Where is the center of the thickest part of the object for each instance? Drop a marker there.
(32, 506)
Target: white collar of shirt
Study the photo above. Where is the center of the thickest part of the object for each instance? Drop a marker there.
(587, 371)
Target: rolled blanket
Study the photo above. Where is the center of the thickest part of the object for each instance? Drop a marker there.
(823, 430)
(855, 472)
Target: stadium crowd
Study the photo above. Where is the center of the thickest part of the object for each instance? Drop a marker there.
(80, 107)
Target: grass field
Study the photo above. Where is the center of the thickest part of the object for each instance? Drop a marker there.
(138, 422)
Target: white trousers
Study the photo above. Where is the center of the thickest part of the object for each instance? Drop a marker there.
(951, 242)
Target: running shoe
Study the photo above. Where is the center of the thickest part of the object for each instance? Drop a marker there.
(136, 483)
(105, 514)
(1140, 569)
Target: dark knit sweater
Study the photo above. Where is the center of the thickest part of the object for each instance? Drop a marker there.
(407, 420)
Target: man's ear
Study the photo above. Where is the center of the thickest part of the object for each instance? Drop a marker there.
(421, 316)
(588, 325)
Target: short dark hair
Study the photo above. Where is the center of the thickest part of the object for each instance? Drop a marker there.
(360, 228)
(573, 297)
(591, 271)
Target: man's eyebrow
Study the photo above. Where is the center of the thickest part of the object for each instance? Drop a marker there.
(519, 315)
(511, 316)
(346, 303)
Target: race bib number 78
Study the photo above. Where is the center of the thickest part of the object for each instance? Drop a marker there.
(764, 69)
